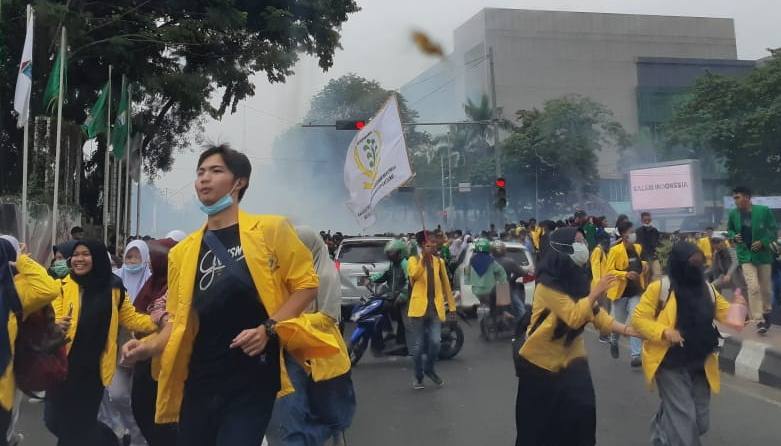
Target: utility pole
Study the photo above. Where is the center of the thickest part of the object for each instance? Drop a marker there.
(495, 119)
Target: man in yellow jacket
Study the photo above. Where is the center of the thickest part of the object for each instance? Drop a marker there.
(233, 286)
(430, 288)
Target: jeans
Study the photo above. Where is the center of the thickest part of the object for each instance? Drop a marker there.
(144, 395)
(316, 411)
(517, 297)
(622, 312)
(425, 331)
(209, 419)
(759, 289)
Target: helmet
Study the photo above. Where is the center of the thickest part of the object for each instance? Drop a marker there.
(482, 245)
(498, 248)
(396, 245)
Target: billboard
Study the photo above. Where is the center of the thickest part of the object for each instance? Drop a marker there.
(671, 187)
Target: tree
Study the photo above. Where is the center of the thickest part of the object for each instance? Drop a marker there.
(559, 146)
(736, 119)
(179, 55)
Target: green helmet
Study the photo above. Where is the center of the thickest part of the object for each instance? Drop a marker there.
(482, 245)
(396, 245)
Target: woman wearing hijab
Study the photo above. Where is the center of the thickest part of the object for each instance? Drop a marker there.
(62, 252)
(25, 287)
(323, 405)
(151, 299)
(555, 403)
(679, 353)
(91, 308)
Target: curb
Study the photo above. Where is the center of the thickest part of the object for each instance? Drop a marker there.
(751, 360)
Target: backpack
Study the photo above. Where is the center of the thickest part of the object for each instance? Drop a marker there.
(40, 361)
(665, 292)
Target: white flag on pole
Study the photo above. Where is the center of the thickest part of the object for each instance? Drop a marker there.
(376, 162)
(24, 81)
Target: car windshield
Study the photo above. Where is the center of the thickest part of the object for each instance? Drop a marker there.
(363, 252)
(518, 255)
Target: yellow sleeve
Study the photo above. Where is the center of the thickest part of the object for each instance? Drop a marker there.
(451, 301)
(39, 288)
(596, 265)
(173, 283)
(415, 268)
(603, 321)
(574, 314)
(296, 266)
(722, 307)
(644, 316)
(612, 257)
(133, 320)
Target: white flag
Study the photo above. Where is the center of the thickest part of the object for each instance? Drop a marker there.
(24, 82)
(376, 162)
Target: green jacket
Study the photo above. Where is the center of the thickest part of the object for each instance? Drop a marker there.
(763, 228)
(590, 232)
(485, 284)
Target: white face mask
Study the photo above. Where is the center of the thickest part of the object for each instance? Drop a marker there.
(632, 238)
(579, 253)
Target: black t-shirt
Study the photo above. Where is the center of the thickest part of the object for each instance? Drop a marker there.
(745, 228)
(225, 307)
(635, 264)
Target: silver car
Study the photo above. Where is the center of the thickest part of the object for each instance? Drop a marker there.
(351, 257)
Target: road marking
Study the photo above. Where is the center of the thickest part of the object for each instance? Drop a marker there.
(743, 391)
(749, 359)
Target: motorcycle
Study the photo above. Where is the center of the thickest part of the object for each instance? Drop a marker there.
(496, 321)
(372, 321)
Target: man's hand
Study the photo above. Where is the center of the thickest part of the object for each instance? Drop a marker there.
(738, 238)
(133, 351)
(756, 246)
(252, 341)
(64, 323)
(632, 275)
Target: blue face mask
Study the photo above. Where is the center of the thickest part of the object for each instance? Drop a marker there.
(133, 268)
(219, 205)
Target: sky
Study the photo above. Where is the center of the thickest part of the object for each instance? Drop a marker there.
(376, 45)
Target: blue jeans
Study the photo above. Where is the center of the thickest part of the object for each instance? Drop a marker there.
(517, 297)
(425, 332)
(622, 312)
(316, 411)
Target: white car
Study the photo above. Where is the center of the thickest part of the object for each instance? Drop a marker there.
(351, 257)
(468, 301)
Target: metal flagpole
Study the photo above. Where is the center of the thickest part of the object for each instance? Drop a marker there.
(126, 213)
(59, 137)
(106, 166)
(25, 154)
(118, 202)
(138, 189)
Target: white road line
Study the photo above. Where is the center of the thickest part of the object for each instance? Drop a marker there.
(745, 392)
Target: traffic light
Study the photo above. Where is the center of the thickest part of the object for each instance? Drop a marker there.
(501, 193)
(350, 125)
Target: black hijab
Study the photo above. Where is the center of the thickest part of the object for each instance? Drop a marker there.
(695, 305)
(9, 299)
(559, 272)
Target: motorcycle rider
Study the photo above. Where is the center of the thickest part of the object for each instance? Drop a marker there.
(514, 272)
(398, 282)
(484, 273)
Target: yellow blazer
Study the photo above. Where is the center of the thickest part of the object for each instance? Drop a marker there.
(125, 315)
(536, 233)
(598, 264)
(617, 264)
(705, 246)
(652, 328)
(279, 265)
(36, 289)
(419, 299)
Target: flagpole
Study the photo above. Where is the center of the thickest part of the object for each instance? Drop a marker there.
(138, 189)
(25, 152)
(106, 169)
(118, 223)
(127, 166)
(59, 137)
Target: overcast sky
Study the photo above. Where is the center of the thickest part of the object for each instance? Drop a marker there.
(376, 45)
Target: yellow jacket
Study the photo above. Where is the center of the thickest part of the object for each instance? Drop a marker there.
(617, 264)
(598, 263)
(553, 355)
(705, 246)
(652, 328)
(279, 265)
(536, 233)
(418, 302)
(36, 289)
(321, 369)
(124, 315)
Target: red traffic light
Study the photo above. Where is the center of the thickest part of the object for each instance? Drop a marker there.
(360, 124)
(350, 125)
(500, 182)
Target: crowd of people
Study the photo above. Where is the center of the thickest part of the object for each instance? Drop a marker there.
(230, 335)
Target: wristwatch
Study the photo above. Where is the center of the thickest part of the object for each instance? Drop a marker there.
(270, 325)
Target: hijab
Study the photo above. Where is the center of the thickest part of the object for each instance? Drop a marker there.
(695, 306)
(14, 243)
(65, 248)
(329, 294)
(9, 299)
(133, 281)
(480, 262)
(157, 285)
(176, 235)
(559, 272)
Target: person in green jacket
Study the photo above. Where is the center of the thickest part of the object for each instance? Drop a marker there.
(484, 273)
(753, 227)
(397, 278)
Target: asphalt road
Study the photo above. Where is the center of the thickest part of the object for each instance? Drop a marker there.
(476, 404)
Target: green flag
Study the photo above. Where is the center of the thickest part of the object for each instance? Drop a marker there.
(52, 92)
(121, 124)
(95, 124)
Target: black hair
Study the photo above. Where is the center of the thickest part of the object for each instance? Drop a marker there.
(743, 190)
(76, 230)
(624, 226)
(236, 162)
(621, 218)
(645, 214)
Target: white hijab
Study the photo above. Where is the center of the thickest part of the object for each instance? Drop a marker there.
(133, 281)
(13, 241)
(176, 235)
(329, 294)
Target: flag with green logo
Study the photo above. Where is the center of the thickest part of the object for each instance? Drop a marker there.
(121, 124)
(52, 92)
(95, 124)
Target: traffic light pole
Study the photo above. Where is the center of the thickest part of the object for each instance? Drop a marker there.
(411, 124)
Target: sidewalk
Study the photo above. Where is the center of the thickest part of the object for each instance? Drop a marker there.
(751, 356)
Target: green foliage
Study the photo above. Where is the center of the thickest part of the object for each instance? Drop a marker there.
(739, 120)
